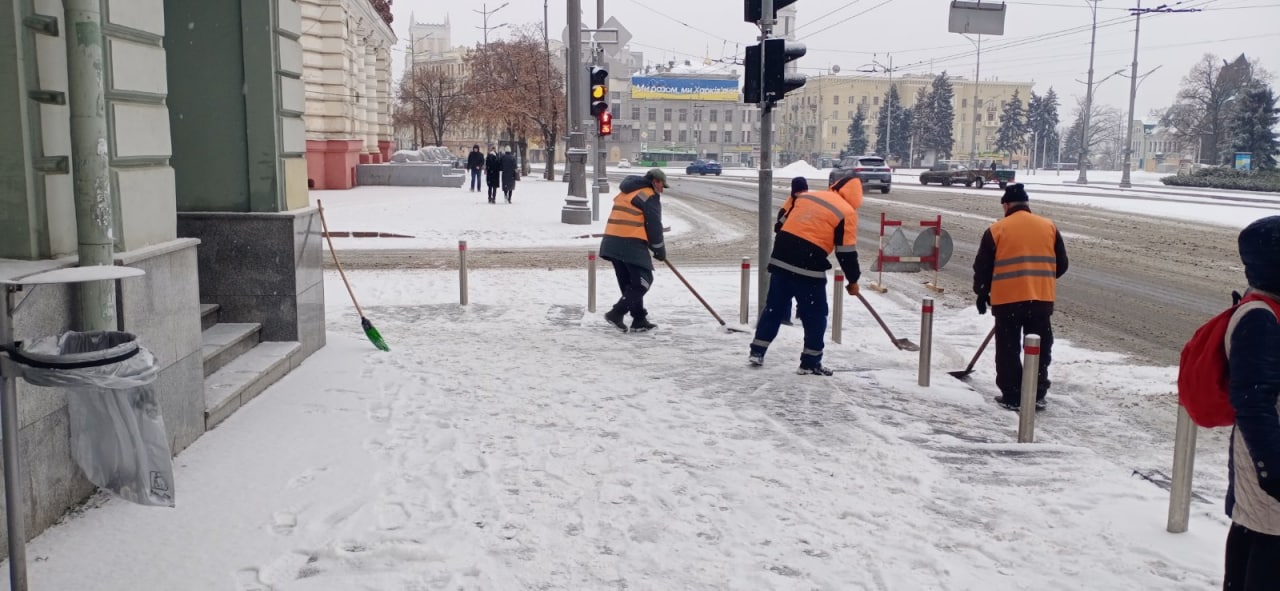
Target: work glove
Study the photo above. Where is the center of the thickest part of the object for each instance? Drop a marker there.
(777, 227)
(660, 254)
(983, 302)
(853, 289)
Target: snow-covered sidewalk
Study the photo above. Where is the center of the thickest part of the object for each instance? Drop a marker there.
(520, 443)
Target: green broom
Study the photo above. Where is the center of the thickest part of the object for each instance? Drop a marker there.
(369, 330)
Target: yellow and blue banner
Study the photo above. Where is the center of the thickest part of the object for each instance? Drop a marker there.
(685, 89)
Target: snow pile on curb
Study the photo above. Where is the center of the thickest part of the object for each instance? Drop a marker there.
(799, 168)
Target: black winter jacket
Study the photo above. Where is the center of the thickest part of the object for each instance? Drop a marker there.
(475, 160)
(633, 251)
(1254, 386)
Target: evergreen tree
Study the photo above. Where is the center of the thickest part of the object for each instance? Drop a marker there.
(1042, 121)
(936, 130)
(1075, 138)
(900, 134)
(1012, 135)
(1254, 123)
(857, 145)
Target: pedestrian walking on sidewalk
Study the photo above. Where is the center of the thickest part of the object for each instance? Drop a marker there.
(492, 173)
(634, 229)
(817, 224)
(475, 164)
(1253, 356)
(508, 174)
(1016, 273)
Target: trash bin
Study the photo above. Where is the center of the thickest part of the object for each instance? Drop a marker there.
(117, 430)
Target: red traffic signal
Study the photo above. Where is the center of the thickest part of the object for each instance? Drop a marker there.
(605, 121)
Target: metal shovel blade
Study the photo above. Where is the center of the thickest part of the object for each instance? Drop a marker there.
(906, 345)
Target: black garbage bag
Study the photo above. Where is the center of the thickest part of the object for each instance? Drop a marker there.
(117, 430)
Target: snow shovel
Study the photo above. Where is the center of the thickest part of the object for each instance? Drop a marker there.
(369, 331)
(704, 302)
(964, 374)
(901, 344)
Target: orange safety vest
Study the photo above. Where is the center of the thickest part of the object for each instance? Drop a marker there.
(1026, 266)
(625, 221)
(815, 216)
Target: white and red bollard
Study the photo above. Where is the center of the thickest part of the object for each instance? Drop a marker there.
(1030, 382)
(462, 272)
(837, 308)
(926, 340)
(591, 281)
(744, 303)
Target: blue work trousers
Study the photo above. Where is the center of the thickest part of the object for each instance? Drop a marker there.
(810, 296)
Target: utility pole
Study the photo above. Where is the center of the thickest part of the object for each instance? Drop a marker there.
(765, 226)
(1133, 83)
(977, 77)
(888, 125)
(1083, 162)
(485, 13)
(575, 210)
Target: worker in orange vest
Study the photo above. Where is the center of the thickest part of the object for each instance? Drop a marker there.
(1016, 272)
(635, 229)
(816, 224)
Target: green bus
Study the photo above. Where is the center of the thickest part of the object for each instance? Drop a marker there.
(665, 158)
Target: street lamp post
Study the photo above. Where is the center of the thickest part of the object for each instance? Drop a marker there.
(1134, 82)
(1083, 161)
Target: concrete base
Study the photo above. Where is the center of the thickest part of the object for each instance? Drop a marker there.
(410, 174)
(575, 215)
(331, 163)
(263, 268)
(163, 309)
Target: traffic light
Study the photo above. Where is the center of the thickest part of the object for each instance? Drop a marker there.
(777, 81)
(599, 91)
(605, 121)
(755, 9)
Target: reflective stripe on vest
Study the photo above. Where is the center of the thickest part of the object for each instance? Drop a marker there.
(815, 217)
(625, 221)
(1026, 267)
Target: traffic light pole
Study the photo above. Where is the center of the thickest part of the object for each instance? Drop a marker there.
(575, 210)
(602, 182)
(766, 166)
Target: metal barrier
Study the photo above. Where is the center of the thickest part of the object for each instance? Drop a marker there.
(744, 303)
(932, 260)
(1184, 463)
(591, 281)
(837, 308)
(1030, 382)
(462, 272)
(926, 340)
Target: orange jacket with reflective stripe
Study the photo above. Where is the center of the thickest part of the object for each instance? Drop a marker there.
(625, 221)
(1026, 265)
(815, 216)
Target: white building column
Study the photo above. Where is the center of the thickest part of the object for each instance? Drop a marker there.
(385, 131)
(371, 98)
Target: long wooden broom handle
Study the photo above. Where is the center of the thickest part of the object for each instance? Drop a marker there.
(877, 317)
(325, 225)
(694, 292)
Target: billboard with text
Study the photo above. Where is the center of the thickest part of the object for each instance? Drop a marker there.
(686, 89)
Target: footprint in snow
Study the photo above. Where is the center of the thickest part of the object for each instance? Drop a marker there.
(284, 522)
(391, 516)
(247, 580)
(305, 478)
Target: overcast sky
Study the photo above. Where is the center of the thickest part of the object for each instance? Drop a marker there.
(1045, 41)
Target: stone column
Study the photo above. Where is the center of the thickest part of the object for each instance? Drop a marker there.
(385, 131)
(371, 102)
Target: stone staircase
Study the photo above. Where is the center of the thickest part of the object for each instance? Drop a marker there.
(238, 365)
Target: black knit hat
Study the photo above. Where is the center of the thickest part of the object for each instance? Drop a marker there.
(799, 185)
(1260, 253)
(1014, 193)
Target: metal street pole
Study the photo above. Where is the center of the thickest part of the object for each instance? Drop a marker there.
(1133, 95)
(765, 228)
(1083, 162)
(602, 182)
(575, 210)
(888, 126)
(973, 141)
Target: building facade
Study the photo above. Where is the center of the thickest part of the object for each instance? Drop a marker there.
(195, 108)
(346, 57)
(815, 119)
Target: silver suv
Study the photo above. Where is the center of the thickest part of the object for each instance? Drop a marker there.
(872, 170)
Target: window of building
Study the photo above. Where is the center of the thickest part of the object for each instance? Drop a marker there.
(746, 137)
(713, 137)
(834, 130)
(746, 116)
(835, 100)
(615, 96)
(666, 135)
(714, 114)
(728, 116)
(635, 134)
(835, 114)
(653, 114)
(697, 136)
(684, 114)
(613, 109)
(875, 100)
(684, 136)
(728, 137)
(964, 103)
(697, 115)
(666, 114)
(991, 116)
(635, 113)
(864, 100)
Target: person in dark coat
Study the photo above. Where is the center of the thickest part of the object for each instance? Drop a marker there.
(492, 172)
(508, 174)
(1253, 357)
(634, 229)
(1016, 272)
(475, 164)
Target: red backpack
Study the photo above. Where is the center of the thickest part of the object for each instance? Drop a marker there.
(1203, 370)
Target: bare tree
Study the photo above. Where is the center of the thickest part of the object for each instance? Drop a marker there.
(1201, 115)
(1106, 131)
(514, 88)
(430, 101)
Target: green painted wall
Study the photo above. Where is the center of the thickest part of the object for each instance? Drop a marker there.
(21, 213)
(207, 115)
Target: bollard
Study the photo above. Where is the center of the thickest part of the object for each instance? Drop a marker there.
(837, 307)
(744, 304)
(462, 272)
(926, 340)
(1030, 381)
(591, 281)
(1184, 463)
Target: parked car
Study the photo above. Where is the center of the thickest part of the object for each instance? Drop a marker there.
(873, 171)
(703, 167)
(948, 173)
(624, 163)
